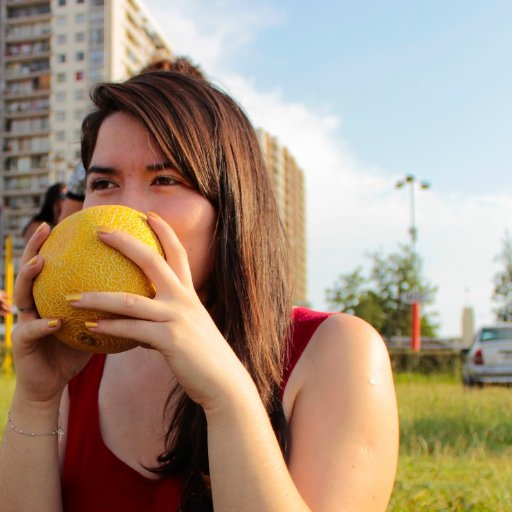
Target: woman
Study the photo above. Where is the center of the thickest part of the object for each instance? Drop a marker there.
(49, 212)
(271, 409)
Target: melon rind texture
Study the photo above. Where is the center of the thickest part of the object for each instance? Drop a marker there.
(76, 261)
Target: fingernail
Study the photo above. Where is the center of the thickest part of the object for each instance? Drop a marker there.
(40, 228)
(104, 229)
(53, 323)
(153, 214)
(74, 297)
(32, 261)
(91, 325)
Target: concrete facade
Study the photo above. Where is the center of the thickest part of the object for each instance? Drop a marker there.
(288, 182)
(52, 52)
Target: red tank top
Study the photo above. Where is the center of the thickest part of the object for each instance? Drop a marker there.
(95, 480)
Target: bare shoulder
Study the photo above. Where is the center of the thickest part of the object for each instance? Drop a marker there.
(351, 360)
(343, 418)
(346, 333)
(343, 348)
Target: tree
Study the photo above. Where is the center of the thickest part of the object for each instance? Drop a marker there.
(380, 298)
(503, 282)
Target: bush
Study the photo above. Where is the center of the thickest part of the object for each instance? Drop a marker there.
(425, 362)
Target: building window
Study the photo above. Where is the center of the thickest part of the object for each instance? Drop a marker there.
(80, 56)
(60, 115)
(79, 17)
(79, 94)
(97, 56)
(97, 36)
(61, 20)
(79, 37)
(61, 57)
(79, 1)
(60, 96)
(62, 2)
(61, 77)
(61, 39)
(79, 75)
(60, 135)
(96, 75)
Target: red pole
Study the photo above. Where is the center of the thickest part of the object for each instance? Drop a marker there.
(415, 326)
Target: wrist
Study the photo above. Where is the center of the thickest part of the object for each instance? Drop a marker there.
(240, 397)
(58, 431)
(34, 416)
(34, 398)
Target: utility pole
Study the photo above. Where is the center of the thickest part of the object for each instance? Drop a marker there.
(414, 297)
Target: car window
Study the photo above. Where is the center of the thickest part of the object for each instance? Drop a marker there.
(496, 334)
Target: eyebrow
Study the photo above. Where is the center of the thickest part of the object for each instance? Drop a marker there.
(160, 166)
(101, 169)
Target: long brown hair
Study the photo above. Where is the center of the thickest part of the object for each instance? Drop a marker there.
(208, 138)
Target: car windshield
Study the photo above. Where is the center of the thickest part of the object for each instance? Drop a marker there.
(496, 334)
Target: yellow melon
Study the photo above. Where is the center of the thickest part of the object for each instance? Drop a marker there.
(76, 261)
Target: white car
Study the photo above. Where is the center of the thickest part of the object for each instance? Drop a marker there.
(489, 360)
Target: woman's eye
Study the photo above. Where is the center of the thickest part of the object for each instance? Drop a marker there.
(166, 181)
(100, 184)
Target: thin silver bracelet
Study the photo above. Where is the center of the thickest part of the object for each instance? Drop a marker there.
(59, 431)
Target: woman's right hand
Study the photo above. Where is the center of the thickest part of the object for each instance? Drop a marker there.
(44, 365)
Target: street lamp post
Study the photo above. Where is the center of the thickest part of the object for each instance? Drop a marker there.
(414, 297)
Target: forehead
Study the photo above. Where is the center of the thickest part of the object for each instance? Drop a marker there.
(121, 136)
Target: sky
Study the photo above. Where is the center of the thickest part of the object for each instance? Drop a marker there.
(363, 94)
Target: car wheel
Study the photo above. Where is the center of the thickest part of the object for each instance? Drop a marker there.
(468, 382)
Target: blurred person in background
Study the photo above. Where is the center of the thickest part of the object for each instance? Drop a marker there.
(75, 194)
(50, 211)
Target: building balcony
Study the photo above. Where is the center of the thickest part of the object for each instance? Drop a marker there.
(28, 37)
(26, 133)
(34, 171)
(23, 192)
(25, 152)
(27, 114)
(19, 95)
(24, 74)
(26, 8)
(24, 57)
(26, 3)
(11, 213)
(28, 18)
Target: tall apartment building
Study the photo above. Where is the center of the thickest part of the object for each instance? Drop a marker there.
(288, 181)
(51, 53)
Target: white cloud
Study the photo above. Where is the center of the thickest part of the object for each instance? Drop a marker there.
(352, 207)
(211, 32)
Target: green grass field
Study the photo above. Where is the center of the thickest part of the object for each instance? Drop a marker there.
(455, 446)
(6, 391)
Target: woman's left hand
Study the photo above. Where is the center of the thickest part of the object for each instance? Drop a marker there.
(174, 322)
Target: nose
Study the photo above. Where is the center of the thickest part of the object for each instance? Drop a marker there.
(133, 197)
(135, 201)
(135, 205)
